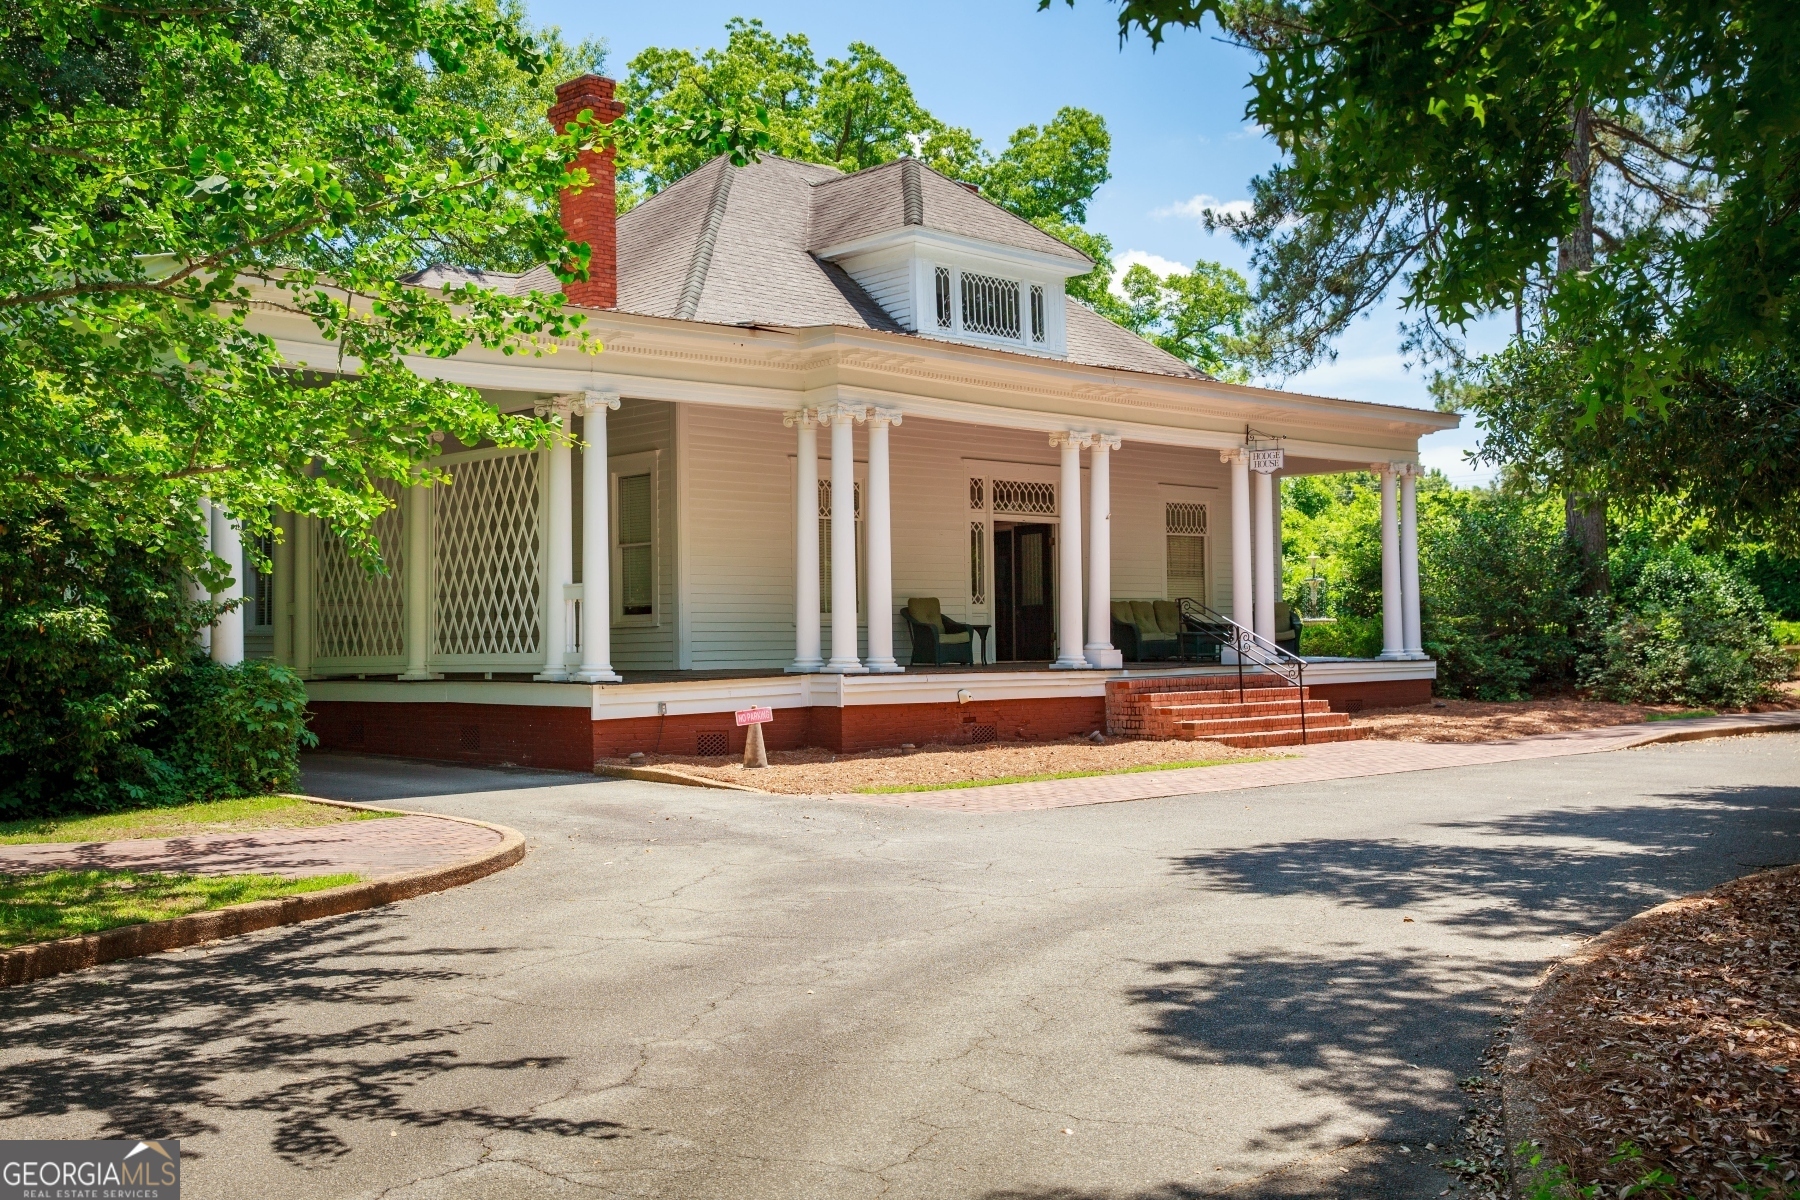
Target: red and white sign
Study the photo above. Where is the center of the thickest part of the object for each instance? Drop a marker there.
(755, 716)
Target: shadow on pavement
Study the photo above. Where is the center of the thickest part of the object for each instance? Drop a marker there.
(155, 1047)
(1567, 871)
(373, 778)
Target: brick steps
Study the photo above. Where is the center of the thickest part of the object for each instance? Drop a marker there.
(1268, 714)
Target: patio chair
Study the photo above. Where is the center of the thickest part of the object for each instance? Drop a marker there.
(1287, 628)
(1140, 633)
(937, 640)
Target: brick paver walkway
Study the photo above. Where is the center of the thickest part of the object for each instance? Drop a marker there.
(372, 849)
(1313, 764)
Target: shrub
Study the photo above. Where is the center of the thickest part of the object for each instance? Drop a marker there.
(234, 731)
(1497, 595)
(1684, 630)
(1345, 637)
(91, 631)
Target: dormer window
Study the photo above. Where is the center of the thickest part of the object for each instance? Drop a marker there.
(1037, 313)
(946, 316)
(990, 305)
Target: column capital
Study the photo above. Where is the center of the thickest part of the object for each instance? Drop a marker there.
(801, 418)
(1236, 454)
(1383, 468)
(884, 416)
(838, 414)
(1106, 441)
(1078, 439)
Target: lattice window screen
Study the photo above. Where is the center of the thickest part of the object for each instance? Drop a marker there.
(1037, 312)
(990, 305)
(1185, 518)
(361, 615)
(1030, 499)
(945, 318)
(485, 574)
(975, 493)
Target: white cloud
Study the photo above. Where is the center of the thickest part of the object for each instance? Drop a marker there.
(1195, 208)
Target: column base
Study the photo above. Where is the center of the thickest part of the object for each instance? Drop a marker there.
(835, 667)
(419, 676)
(1394, 656)
(1071, 664)
(603, 675)
(804, 666)
(1104, 657)
(885, 666)
(551, 677)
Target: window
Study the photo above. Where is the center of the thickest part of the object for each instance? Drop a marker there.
(977, 563)
(945, 318)
(1037, 312)
(1185, 528)
(634, 536)
(259, 587)
(990, 305)
(1024, 498)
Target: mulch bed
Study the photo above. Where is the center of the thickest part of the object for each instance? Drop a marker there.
(1673, 1046)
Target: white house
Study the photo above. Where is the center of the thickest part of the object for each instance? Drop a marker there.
(822, 395)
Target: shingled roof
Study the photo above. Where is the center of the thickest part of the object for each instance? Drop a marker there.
(736, 246)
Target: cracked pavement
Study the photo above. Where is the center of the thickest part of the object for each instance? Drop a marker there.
(687, 993)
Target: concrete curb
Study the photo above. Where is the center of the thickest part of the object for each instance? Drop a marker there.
(668, 775)
(44, 959)
(1521, 1100)
(1731, 725)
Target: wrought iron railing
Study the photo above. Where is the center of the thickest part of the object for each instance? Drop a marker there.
(1247, 646)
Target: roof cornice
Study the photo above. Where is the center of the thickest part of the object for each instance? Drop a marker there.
(925, 237)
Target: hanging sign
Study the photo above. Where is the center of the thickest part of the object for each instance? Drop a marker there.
(1266, 462)
(755, 716)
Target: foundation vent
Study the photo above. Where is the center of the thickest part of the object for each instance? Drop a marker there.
(712, 743)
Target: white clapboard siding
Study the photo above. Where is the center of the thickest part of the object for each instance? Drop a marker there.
(889, 281)
(740, 524)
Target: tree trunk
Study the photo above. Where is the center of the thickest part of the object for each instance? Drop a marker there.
(1584, 512)
(1584, 517)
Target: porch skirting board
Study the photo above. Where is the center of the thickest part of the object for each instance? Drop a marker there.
(568, 727)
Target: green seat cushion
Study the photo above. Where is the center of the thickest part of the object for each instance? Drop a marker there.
(1168, 617)
(925, 610)
(953, 639)
(1143, 615)
(1121, 611)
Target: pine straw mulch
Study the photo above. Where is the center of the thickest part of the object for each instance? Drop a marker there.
(814, 772)
(1672, 1045)
(1477, 721)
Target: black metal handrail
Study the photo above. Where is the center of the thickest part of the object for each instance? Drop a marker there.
(1246, 643)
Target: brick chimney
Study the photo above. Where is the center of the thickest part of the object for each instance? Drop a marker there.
(590, 214)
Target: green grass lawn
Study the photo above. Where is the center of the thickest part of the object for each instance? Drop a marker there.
(213, 816)
(1677, 716)
(57, 904)
(888, 788)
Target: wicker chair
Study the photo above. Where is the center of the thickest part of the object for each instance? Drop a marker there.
(937, 640)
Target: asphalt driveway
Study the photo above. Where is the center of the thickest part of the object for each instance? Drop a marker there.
(681, 993)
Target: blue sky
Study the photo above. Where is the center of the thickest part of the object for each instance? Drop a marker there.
(1176, 116)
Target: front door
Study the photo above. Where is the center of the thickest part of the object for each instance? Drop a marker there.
(1024, 600)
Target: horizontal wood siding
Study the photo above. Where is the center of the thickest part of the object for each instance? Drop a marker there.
(889, 284)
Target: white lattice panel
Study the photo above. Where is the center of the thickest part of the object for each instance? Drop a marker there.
(1021, 497)
(485, 579)
(360, 618)
(1185, 518)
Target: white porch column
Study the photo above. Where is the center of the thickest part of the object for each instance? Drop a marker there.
(559, 543)
(197, 591)
(1099, 650)
(1393, 631)
(283, 583)
(1242, 592)
(596, 542)
(1263, 552)
(842, 419)
(228, 630)
(1068, 553)
(807, 657)
(415, 520)
(303, 595)
(1412, 641)
(881, 545)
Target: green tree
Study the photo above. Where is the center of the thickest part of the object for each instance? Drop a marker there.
(1198, 316)
(856, 112)
(1618, 174)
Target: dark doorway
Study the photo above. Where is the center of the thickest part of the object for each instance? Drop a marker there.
(1024, 599)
